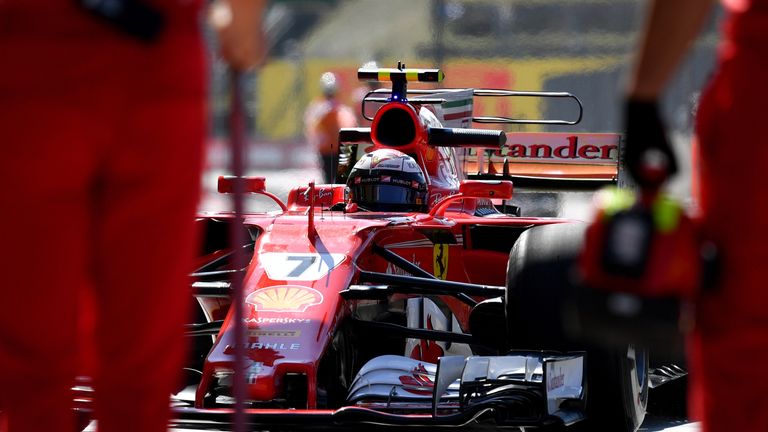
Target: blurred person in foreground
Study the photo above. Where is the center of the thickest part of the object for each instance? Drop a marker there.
(731, 331)
(322, 120)
(102, 120)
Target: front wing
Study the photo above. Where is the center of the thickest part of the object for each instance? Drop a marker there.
(522, 389)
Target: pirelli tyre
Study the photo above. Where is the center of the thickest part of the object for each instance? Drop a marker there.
(539, 282)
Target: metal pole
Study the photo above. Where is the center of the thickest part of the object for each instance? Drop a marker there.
(438, 30)
(237, 240)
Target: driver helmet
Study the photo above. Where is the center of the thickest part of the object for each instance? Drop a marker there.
(387, 180)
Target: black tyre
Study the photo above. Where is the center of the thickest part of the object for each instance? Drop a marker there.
(539, 283)
(617, 389)
(335, 372)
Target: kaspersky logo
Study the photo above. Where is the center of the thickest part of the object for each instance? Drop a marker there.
(284, 298)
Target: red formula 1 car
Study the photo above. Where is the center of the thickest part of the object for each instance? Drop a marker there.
(362, 311)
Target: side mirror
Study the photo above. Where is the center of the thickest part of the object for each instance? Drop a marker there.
(492, 189)
(249, 184)
(254, 185)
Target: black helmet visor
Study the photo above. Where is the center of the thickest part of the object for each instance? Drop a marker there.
(383, 197)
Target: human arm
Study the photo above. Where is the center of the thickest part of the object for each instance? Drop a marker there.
(238, 24)
(670, 29)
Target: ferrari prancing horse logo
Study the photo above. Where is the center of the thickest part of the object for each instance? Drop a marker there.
(440, 260)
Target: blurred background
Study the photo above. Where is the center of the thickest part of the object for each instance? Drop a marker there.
(578, 46)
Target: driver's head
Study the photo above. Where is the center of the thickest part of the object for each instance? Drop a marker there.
(387, 180)
(329, 84)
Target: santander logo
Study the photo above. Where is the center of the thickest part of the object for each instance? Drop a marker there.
(562, 148)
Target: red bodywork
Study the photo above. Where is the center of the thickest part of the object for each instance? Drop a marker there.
(293, 308)
(291, 336)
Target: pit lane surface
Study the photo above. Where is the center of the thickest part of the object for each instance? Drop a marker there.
(651, 424)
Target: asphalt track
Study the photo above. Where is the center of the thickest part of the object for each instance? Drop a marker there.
(651, 424)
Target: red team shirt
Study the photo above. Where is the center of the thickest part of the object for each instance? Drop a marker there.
(99, 178)
(67, 140)
(731, 338)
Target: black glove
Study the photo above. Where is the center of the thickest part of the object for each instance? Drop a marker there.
(649, 157)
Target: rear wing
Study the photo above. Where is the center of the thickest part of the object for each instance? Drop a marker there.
(545, 158)
(458, 103)
(580, 160)
(548, 160)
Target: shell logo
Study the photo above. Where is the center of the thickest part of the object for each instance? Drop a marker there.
(284, 298)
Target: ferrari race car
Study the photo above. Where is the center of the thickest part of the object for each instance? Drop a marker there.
(447, 314)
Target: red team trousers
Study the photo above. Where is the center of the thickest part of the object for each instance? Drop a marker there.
(729, 348)
(101, 141)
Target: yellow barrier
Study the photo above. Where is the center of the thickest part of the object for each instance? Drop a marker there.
(285, 88)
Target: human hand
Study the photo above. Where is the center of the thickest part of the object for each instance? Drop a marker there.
(649, 157)
(238, 23)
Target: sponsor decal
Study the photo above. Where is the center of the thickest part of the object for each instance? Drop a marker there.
(457, 115)
(386, 179)
(411, 167)
(440, 260)
(252, 346)
(457, 109)
(386, 157)
(284, 298)
(556, 381)
(418, 382)
(358, 180)
(563, 148)
(434, 198)
(274, 333)
(299, 266)
(281, 320)
(393, 269)
(320, 193)
(391, 164)
(446, 174)
(403, 182)
(253, 372)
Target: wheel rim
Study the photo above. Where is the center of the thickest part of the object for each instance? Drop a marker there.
(641, 370)
(638, 360)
